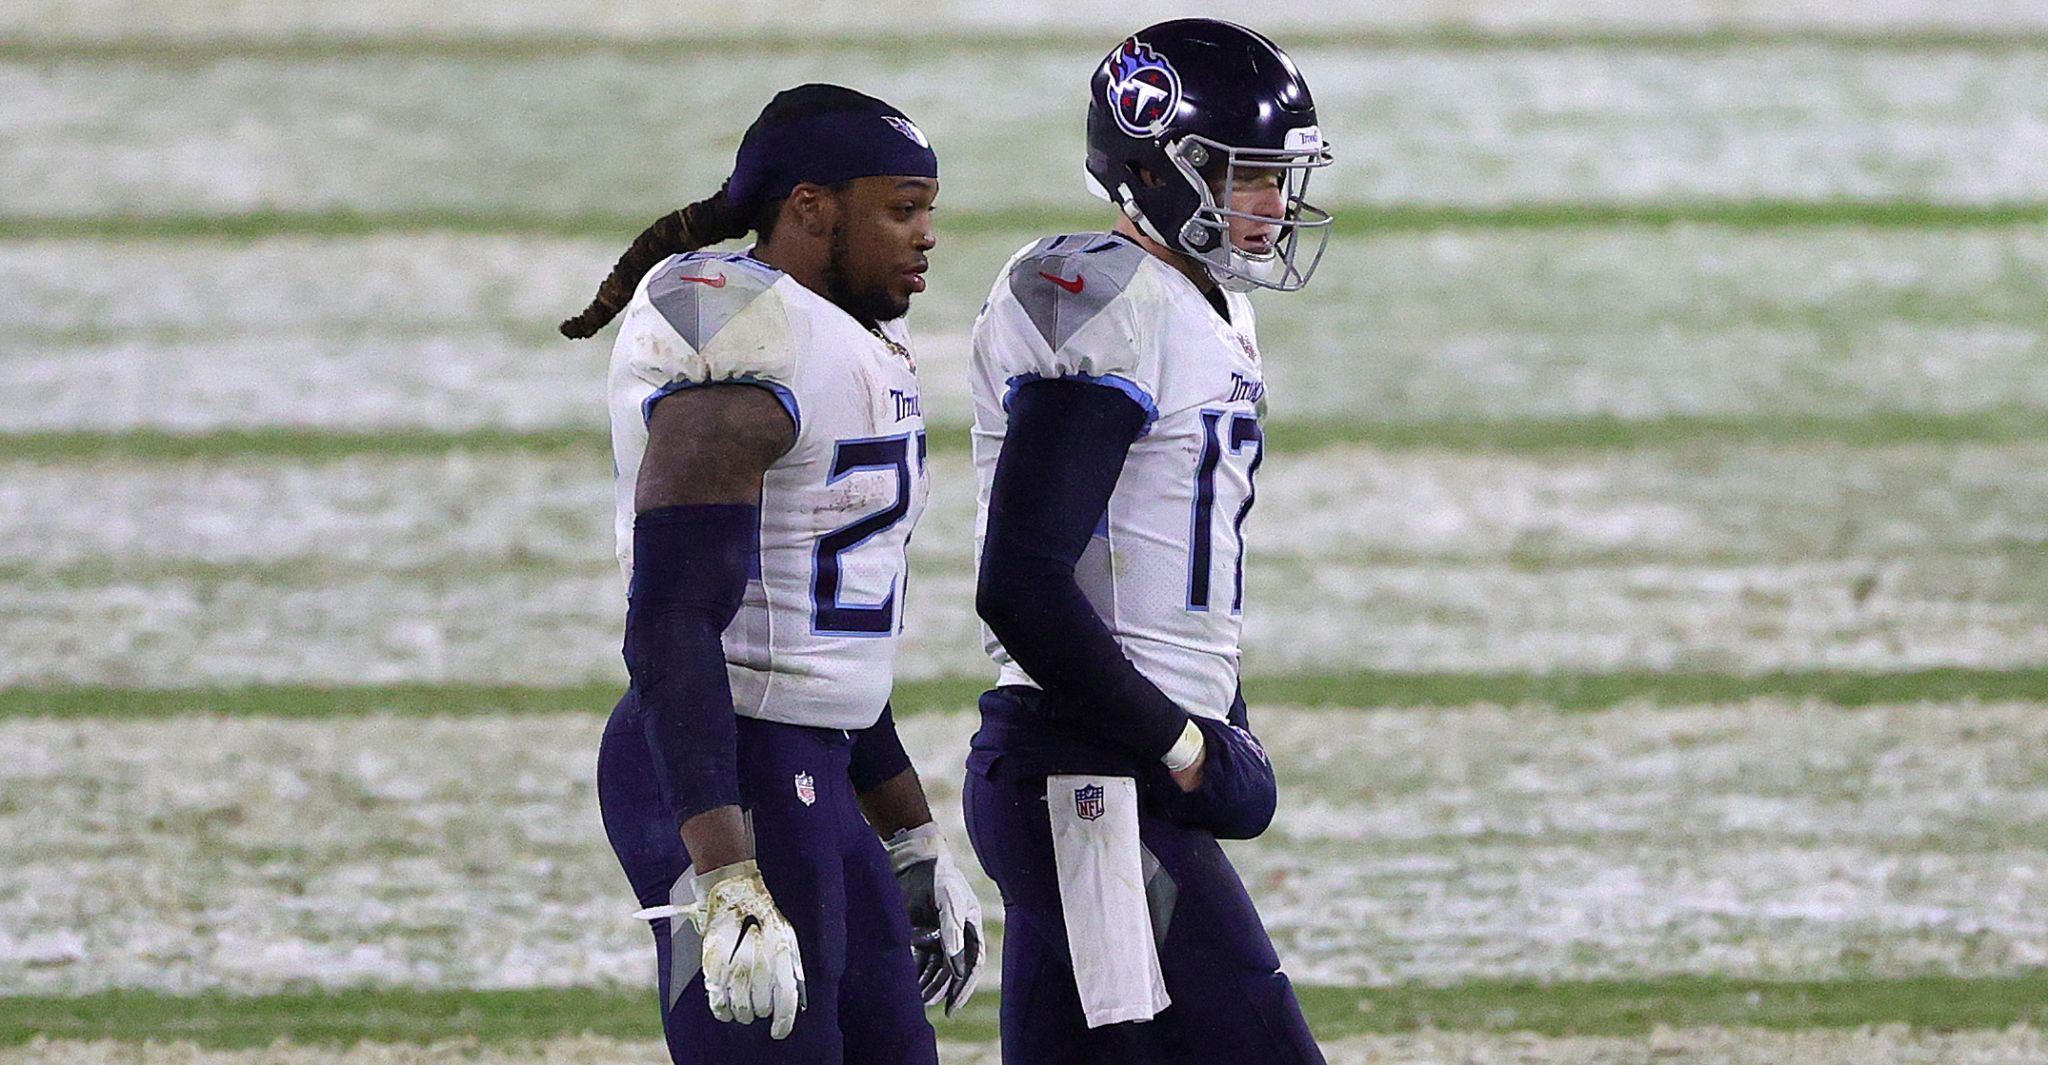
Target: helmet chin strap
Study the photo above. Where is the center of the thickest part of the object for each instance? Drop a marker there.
(1128, 205)
(1137, 216)
(1250, 272)
(1245, 272)
(1237, 272)
(1191, 233)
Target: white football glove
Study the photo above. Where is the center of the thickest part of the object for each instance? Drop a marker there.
(945, 917)
(752, 968)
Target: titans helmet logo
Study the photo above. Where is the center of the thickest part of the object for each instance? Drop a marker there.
(1143, 90)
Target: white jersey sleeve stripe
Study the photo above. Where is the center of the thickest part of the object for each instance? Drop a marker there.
(781, 392)
(1118, 382)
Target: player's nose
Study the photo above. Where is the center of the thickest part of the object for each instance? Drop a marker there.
(1266, 201)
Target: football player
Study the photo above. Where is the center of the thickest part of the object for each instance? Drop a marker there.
(1118, 390)
(770, 447)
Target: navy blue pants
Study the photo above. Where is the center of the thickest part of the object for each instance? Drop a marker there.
(1231, 1003)
(829, 876)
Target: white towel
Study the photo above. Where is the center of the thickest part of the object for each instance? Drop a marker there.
(1102, 895)
(685, 946)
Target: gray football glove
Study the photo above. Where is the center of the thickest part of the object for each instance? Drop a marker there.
(945, 917)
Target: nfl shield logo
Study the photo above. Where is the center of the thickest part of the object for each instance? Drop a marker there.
(806, 789)
(1088, 801)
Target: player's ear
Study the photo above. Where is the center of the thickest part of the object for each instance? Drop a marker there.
(816, 208)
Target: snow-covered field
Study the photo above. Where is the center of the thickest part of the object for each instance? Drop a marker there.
(498, 568)
(462, 624)
(902, 22)
(454, 332)
(1768, 839)
(502, 510)
(576, 133)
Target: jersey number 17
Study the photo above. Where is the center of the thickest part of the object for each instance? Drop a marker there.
(1222, 431)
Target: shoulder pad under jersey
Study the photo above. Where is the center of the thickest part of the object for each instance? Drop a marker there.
(697, 294)
(1062, 283)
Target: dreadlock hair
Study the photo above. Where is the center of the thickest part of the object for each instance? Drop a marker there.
(699, 225)
(712, 219)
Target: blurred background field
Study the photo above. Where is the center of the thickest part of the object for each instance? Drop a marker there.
(1648, 594)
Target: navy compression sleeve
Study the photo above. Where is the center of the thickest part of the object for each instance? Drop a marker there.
(1061, 458)
(690, 566)
(878, 755)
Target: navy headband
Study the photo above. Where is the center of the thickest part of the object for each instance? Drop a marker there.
(826, 149)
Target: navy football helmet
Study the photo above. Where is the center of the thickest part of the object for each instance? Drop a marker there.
(1197, 103)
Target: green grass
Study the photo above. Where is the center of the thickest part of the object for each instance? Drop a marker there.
(1623, 1008)
(333, 1018)
(1570, 692)
(1520, 435)
(1602, 1008)
(567, 45)
(1354, 219)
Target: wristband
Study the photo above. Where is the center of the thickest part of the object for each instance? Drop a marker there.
(1184, 750)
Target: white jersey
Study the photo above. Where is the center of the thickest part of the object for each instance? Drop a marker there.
(1166, 567)
(814, 642)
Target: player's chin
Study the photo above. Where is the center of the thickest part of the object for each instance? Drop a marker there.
(888, 303)
(899, 292)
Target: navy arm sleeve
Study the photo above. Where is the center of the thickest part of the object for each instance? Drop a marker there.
(1062, 454)
(690, 566)
(878, 755)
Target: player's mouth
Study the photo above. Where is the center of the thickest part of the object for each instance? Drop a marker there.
(913, 278)
(1257, 243)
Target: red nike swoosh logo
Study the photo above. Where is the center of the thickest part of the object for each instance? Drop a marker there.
(715, 281)
(1074, 286)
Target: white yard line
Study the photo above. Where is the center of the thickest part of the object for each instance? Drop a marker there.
(1761, 840)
